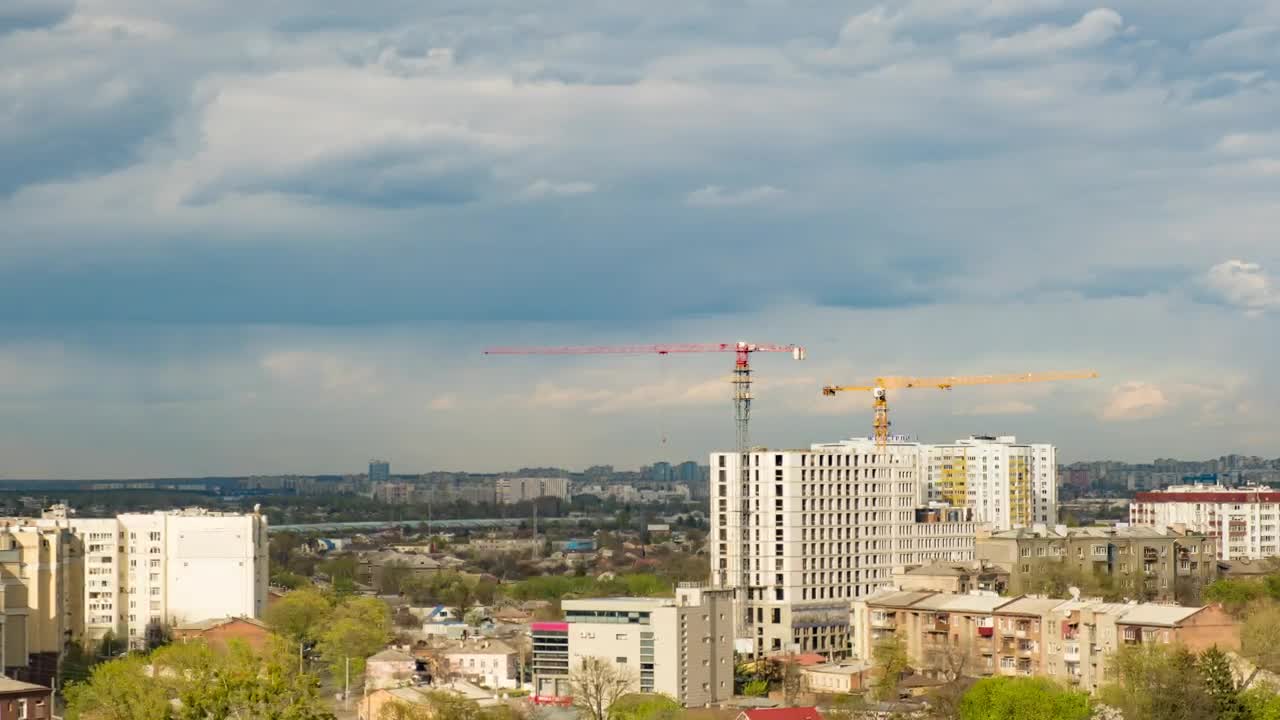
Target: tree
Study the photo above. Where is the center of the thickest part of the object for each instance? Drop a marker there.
(890, 658)
(948, 664)
(646, 706)
(792, 681)
(237, 683)
(118, 690)
(1220, 683)
(1157, 682)
(597, 684)
(1234, 595)
(441, 705)
(1260, 640)
(357, 628)
(299, 615)
(288, 580)
(1022, 698)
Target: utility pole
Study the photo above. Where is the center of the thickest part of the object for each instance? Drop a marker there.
(300, 670)
(346, 692)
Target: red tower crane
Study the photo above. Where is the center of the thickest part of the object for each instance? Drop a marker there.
(741, 367)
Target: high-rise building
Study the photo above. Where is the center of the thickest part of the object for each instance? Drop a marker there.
(514, 490)
(1008, 484)
(681, 646)
(661, 472)
(806, 532)
(40, 599)
(379, 471)
(1244, 520)
(143, 571)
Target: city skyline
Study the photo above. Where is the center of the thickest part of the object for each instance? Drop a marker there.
(274, 238)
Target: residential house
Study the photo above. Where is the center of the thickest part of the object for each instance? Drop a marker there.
(793, 713)
(24, 701)
(492, 663)
(850, 676)
(220, 632)
(952, 577)
(1153, 562)
(388, 669)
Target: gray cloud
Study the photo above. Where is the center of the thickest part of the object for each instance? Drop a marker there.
(475, 169)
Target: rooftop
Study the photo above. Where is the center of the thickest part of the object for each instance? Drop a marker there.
(618, 603)
(793, 713)
(211, 623)
(9, 686)
(1060, 531)
(1031, 606)
(392, 655)
(898, 598)
(1153, 614)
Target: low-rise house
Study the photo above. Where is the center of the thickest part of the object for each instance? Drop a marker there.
(24, 701)
(1067, 640)
(491, 663)
(389, 669)
(371, 566)
(220, 632)
(372, 704)
(850, 676)
(792, 713)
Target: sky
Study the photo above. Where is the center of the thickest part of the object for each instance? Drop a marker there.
(256, 237)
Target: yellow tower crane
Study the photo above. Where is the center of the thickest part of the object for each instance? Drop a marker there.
(884, 384)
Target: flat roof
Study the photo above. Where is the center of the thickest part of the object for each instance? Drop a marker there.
(899, 598)
(617, 603)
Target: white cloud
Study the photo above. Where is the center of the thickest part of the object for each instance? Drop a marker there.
(604, 401)
(716, 196)
(1006, 407)
(1094, 28)
(1135, 401)
(546, 188)
(1244, 285)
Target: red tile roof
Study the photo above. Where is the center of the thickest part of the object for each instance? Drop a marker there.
(795, 713)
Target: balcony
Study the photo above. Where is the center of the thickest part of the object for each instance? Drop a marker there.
(886, 622)
(1071, 655)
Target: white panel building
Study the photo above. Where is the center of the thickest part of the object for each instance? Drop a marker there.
(810, 531)
(1245, 519)
(514, 490)
(169, 568)
(1007, 484)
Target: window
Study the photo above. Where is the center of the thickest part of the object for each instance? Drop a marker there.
(620, 660)
(155, 562)
(155, 537)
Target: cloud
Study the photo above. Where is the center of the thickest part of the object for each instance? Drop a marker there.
(716, 196)
(1243, 285)
(546, 188)
(647, 396)
(1094, 28)
(1135, 401)
(323, 372)
(447, 401)
(1007, 407)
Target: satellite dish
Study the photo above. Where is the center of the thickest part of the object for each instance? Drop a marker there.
(1074, 592)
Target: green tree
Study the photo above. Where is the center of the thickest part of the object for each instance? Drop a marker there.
(1235, 595)
(1157, 682)
(1261, 703)
(288, 580)
(646, 706)
(118, 690)
(1022, 698)
(299, 616)
(237, 683)
(1220, 683)
(356, 629)
(890, 659)
(1260, 639)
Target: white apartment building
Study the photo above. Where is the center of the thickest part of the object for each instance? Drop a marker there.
(810, 531)
(681, 646)
(1007, 484)
(168, 568)
(1245, 520)
(514, 490)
